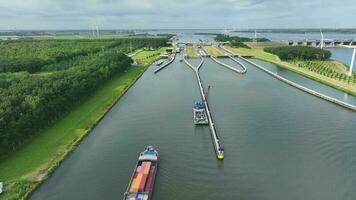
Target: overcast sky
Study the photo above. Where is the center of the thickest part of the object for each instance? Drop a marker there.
(141, 14)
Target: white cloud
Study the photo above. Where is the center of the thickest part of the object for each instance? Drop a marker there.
(69, 14)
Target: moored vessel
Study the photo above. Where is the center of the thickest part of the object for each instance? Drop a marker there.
(199, 113)
(159, 63)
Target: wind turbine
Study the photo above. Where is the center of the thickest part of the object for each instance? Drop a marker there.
(322, 40)
(255, 35)
(352, 61)
(92, 30)
(97, 31)
(352, 58)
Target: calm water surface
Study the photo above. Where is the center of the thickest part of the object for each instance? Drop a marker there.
(280, 143)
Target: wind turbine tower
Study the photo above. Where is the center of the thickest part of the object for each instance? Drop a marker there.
(255, 35)
(97, 31)
(352, 61)
(322, 40)
(92, 30)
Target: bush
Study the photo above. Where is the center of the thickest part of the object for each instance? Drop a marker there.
(299, 53)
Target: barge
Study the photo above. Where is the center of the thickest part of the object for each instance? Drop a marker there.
(199, 113)
(143, 177)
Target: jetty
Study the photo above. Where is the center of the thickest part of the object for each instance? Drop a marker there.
(219, 150)
(228, 55)
(170, 60)
(302, 88)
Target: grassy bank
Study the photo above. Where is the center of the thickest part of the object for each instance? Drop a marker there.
(23, 170)
(146, 58)
(191, 51)
(214, 51)
(306, 68)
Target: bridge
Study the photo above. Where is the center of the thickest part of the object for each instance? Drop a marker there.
(320, 43)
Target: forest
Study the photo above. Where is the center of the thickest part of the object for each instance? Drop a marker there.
(40, 80)
(299, 53)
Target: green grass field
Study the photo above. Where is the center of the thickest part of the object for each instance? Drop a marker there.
(191, 51)
(258, 53)
(146, 58)
(214, 51)
(24, 169)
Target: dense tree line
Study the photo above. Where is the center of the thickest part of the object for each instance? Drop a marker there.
(29, 102)
(299, 53)
(236, 41)
(32, 56)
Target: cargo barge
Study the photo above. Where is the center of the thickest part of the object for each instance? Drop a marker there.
(143, 177)
(199, 113)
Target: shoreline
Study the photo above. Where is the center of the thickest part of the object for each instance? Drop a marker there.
(77, 142)
(41, 175)
(301, 72)
(23, 186)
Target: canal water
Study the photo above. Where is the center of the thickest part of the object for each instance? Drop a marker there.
(280, 143)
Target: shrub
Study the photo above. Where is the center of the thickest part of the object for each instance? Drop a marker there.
(299, 53)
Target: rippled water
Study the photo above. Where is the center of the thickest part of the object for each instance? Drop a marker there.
(280, 143)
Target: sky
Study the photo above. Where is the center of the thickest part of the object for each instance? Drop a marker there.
(171, 14)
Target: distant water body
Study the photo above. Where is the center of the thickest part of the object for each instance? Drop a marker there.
(341, 54)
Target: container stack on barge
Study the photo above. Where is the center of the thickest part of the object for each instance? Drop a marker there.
(142, 180)
(199, 113)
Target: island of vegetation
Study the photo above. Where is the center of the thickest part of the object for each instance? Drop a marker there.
(53, 92)
(236, 41)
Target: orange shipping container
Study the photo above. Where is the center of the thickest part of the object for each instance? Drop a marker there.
(143, 183)
(136, 184)
(132, 184)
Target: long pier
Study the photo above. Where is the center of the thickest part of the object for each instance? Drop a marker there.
(166, 64)
(219, 150)
(228, 66)
(228, 51)
(300, 87)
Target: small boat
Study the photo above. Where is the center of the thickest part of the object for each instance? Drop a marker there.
(143, 177)
(199, 113)
(158, 63)
(181, 60)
